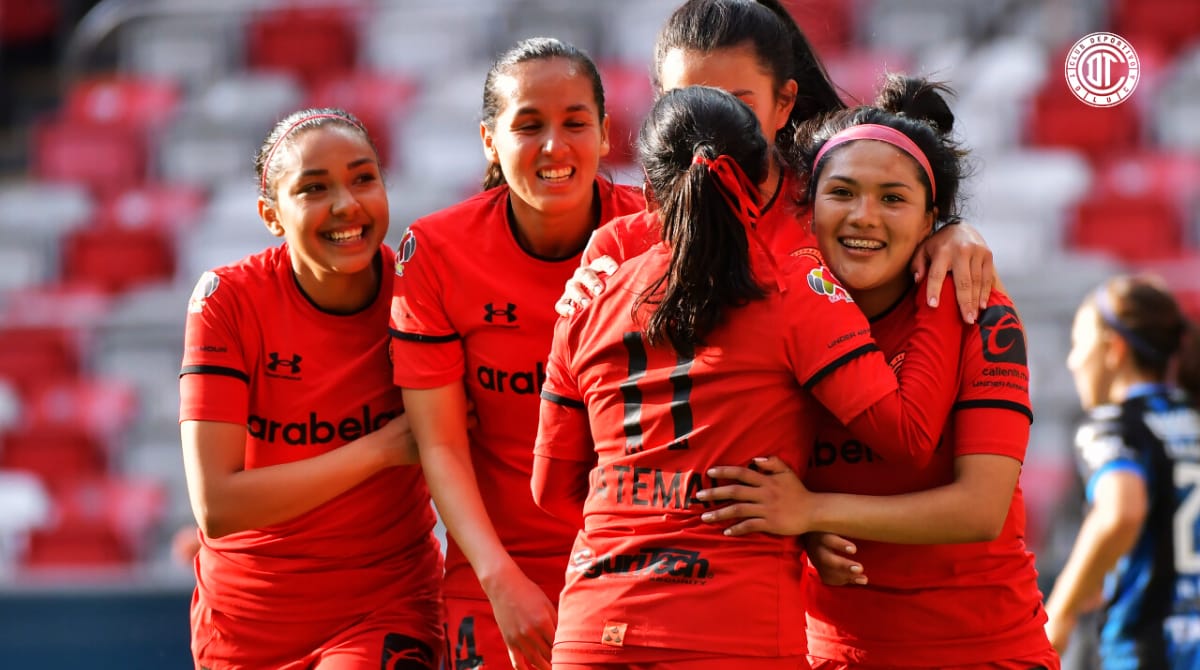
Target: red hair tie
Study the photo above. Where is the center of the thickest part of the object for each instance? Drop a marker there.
(741, 195)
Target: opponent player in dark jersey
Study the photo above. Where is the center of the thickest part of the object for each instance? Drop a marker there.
(1138, 550)
(473, 317)
(317, 550)
(952, 584)
(755, 51)
(704, 350)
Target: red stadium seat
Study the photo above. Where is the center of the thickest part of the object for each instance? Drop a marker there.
(310, 43)
(160, 206)
(103, 521)
(57, 456)
(377, 99)
(69, 306)
(99, 408)
(115, 258)
(628, 95)
(1059, 119)
(1168, 24)
(828, 26)
(125, 101)
(858, 73)
(30, 355)
(106, 158)
(1128, 228)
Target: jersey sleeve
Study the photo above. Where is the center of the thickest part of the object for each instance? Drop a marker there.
(911, 403)
(1101, 447)
(426, 350)
(563, 427)
(994, 380)
(826, 333)
(214, 380)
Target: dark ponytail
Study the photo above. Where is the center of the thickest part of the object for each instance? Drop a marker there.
(913, 106)
(709, 270)
(1142, 311)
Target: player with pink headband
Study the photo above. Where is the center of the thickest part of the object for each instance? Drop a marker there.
(951, 581)
(316, 531)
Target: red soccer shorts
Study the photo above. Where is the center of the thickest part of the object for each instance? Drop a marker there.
(475, 640)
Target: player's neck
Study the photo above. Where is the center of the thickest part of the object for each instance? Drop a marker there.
(340, 293)
(553, 236)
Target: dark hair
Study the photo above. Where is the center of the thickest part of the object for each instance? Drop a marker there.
(533, 48)
(709, 269)
(266, 164)
(913, 106)
(780, 45)
(1148, 317)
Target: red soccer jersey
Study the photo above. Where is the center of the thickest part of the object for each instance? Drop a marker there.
(927, 605)
(303, 382)
(784, 227)
(646, 572)
(471, 304)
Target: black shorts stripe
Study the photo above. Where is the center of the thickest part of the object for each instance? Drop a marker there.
(562, 400)
(417, 337)
(837, 363)
(214, 370)
(995, 404)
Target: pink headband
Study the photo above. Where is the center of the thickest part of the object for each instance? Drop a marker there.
(285, 133)
(874, 131)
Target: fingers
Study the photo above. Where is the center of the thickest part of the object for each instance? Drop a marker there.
(834, 568)
(746, 527)
(735, 473)
(604, 264)
(937, 275)
(770, 465)
(987, 279)
(919, 264)
(730, 512)
(835, 543)
(730, 492)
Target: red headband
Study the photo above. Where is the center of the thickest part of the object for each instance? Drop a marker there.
(285, 133)
(742, 197)
(874, 131)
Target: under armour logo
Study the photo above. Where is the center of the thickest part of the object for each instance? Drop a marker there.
(292, 364)
(614, 633)
(509, 313)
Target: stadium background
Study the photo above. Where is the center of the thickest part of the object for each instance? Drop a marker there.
(127, 131)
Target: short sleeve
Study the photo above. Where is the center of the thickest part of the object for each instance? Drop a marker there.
(426, 351)
(563, 427)
(214, 380)
(827, 331)
(1101, 447)
(995, 376)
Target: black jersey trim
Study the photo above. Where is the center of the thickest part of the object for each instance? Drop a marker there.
(995, 404)
(417, 337)
(214, 370)
(563, 400)
(837, 363)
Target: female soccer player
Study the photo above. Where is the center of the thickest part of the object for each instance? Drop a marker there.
(755, 51)
(317, 550)
(952, 584)
(485, 333)
(1139, 452)
(707, 349)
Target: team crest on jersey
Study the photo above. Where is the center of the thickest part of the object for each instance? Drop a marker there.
(405, 251)
(205, 287)
(822, 282)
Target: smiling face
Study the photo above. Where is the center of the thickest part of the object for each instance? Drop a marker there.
(549, 136)
(869, 217)
(330, 202)
(737, 71)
